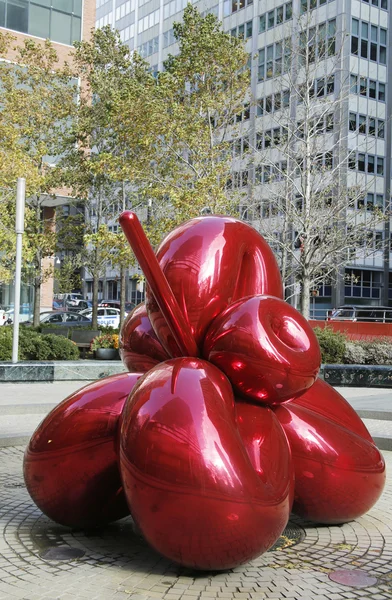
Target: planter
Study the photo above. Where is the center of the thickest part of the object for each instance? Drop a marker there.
(106, 353)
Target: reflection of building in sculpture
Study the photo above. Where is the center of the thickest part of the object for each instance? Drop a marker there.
(362, 113)
(62, 23)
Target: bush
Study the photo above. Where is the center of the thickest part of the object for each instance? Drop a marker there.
(377, 353)
(332, 345)
(34, 346)
(5, 343)
(354, 354)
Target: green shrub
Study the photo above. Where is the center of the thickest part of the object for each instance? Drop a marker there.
(34, 346)
(332, 345)
(5, 343)
(354, 354)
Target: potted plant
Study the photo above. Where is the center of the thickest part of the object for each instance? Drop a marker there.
(105, 346)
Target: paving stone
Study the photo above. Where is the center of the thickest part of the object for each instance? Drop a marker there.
(120, 566)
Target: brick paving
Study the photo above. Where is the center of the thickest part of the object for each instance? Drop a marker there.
(118, 564)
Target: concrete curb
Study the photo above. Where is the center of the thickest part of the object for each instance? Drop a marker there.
(49, 371)
(90, 370)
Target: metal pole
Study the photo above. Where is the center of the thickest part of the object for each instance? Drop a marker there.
(19, 228)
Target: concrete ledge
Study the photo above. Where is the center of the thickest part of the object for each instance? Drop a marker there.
(78, 370)
(357, 375)
(90, 370)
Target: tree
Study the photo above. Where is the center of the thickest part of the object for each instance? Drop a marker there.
(204, 90)
(164, 137)
(37, 100)
(311, 208)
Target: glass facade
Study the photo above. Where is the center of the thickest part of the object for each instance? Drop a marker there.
(58, 20)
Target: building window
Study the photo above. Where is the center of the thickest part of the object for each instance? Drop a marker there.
(275, 17)
(375, 48)
(273, 60)
(366, 163)
(231, 6)
(59, 22)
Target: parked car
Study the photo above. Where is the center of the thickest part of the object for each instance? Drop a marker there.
(110, 317)
(374, 314)
(69, 299)
(8, 316)
(129, 306)
(66, 318)
(81, 305)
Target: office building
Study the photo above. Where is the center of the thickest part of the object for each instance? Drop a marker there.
(357, 31)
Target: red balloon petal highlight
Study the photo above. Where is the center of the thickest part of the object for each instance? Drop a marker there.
(339, 475)
(70, 465)
(187, 476)
(265, 347)
(209, 263)
(140, 348)
(324, 400)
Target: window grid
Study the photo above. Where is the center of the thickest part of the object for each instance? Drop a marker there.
(369, 41)
(275, 17)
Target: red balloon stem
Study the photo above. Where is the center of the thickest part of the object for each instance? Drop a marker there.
(159, 285)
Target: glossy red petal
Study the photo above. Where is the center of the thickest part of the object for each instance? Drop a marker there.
(188, 479)
(211, 262)
(70, 465)
(265, 347)
(339, 475)
(140, 348)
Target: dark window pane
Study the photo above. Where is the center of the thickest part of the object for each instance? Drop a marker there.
(381, 92)
(60, 30)
(372, 89)
(17, 15)
(353, 122)
(2, 14)
(354, 45)
(39, 21)
(364, 48)
(373, 51)
(370, 168)
(361, 162)
(363, 86)
(289, 11)
(383, 55)
(380, 166)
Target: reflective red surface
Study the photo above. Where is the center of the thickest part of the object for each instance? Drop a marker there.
(182, 339)
(339, 475)
(266, 349)
(192, 488)
(70, 465)
(208, 476)
(139, 346)
(209, 263)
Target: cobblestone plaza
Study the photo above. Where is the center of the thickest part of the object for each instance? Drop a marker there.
(115, 562)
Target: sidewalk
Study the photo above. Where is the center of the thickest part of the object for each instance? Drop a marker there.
(114, 563)
(24, 405)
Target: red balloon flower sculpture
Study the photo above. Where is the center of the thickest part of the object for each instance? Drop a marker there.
(222, 428)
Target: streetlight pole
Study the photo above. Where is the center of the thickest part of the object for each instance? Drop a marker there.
(19, 228)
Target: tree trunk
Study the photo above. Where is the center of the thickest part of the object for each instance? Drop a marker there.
(37, 296)
(123, 283)
(95, 300)
(305, 296)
